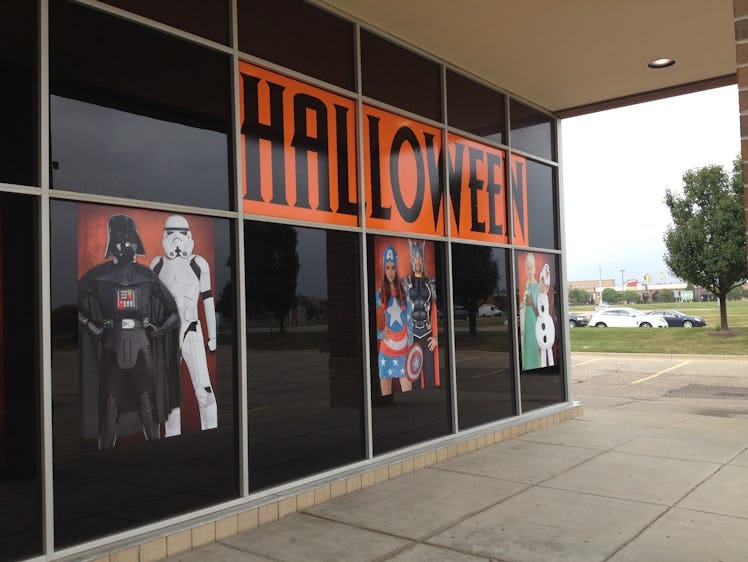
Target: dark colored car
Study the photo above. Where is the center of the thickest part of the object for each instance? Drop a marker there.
(677, 319)
(576, 319)
(460, 313)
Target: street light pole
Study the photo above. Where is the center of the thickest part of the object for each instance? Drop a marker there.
(622, 287)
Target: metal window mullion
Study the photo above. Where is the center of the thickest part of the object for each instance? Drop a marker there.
(47, 469)
(449, 293)
(240, 326)
(562, 246)
(364, 265)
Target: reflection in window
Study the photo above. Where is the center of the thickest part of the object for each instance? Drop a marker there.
(18, 94)
(539, 330)
(20, 486)
(541, 204)
(136, 440)
(485, 377)
(532, 131)
(135, 113)
(475, 108)
(409, 377)
(304, 356)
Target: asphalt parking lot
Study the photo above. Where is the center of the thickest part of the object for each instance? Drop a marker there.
(699, 384)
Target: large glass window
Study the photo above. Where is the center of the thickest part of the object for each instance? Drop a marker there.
(143, 369)
(534, 208)
(532, 131)
(400, 77)
(208, 19)
(483, 343)
(18, 93)
(475, 108)
(135, 113)
(304, 356)
(539, 330)
(410, 387)
(20, 483)
(299, 36)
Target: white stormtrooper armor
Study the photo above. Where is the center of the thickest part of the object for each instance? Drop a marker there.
(545, 330)
(187, 276)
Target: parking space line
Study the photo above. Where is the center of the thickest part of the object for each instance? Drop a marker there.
(586, 362)
(661, 372)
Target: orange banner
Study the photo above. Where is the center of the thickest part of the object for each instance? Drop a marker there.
(402, 174)
(519, 198)
(477, 194)
(298, 149)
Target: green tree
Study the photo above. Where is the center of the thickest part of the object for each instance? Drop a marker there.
(611, 295)
(705, 245)
(630, 296)
(475, 277)
(666, 295)
(578, 296)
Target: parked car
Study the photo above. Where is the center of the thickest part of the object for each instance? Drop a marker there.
(460, 313)
(625, 317)
(577, 319)
(489, 310)
(677, 319)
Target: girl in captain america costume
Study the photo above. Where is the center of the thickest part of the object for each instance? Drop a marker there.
(393, 326)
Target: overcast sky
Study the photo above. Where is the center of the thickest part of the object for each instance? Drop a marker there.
(617, 165)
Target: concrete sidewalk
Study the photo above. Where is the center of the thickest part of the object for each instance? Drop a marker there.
(639, 481)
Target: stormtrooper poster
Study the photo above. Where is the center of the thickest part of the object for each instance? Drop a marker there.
(406, 313)
(147, 324)
(536, 282)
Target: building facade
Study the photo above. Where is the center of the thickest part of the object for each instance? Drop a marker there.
(233, 240)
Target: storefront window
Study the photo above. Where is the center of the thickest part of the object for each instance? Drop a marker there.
(483, 343)
(304, 356)
(207, 19)
(475, 108)
(143, 369)
(20, 483)
(538, 302)
(400, 77)
(18, 94)
(532, 131)
(534, 207)
(299, 36)
(409, 379)
(135, 113)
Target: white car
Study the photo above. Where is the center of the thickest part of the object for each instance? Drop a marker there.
(489, 310)
(625, 317)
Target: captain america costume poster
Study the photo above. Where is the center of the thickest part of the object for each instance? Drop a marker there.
(168, 376)
(406, 314)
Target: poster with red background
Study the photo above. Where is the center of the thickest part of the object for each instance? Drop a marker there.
(92, 240)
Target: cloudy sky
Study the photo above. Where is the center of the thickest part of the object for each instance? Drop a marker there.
(617, 165)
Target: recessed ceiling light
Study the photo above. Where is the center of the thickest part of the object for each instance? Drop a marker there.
(661, 63)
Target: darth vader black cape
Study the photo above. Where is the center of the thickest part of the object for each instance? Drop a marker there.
(161, 310)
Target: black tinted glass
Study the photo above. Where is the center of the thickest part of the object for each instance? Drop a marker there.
(304, 359)
(207, 19)
(475, 108)
(400, 77)
(539, 330)
(299, 36)
(18, 93)
(20, 483)
(150, 434)
(532, 131)
(410, 389)
(135, 113)
(541, 204)
(485, 377)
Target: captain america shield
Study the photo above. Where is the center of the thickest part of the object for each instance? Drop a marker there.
(414, 363)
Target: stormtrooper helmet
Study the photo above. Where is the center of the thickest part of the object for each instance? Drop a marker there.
(123, 240)
(177, 241)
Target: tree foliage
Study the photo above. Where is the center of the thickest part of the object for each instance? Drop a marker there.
(475, 277)
(611, 296)
(705, 245)
(631, 296)
(579, 296)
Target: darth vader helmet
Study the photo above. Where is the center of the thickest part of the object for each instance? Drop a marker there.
(123, 241)
(177, 241)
